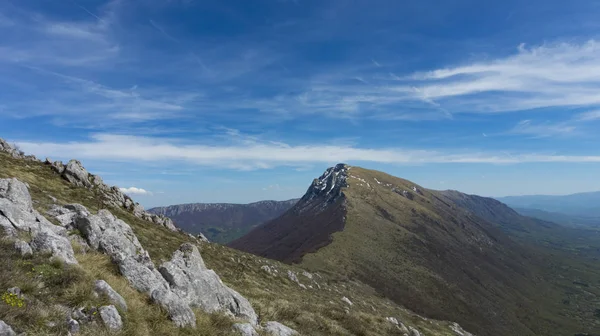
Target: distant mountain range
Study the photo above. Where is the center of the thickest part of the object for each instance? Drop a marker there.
(443, 254)
(223, 222)
(580, 204)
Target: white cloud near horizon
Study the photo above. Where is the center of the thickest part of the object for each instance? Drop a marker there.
(135, 191)
(266, 155)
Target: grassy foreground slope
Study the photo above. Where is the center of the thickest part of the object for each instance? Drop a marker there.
(315, 308)
(440, 260)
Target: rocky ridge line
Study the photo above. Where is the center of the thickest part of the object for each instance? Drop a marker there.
(76, 174)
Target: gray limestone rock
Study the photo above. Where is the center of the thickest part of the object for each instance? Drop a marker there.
(277, 329)
(179, 311)
(200, 287)
(102, 288)
(23, 248)
(58, 246)
(6, 330)
(76, 174)
(73, 326)
(17, 215)
(413, 332)
(111, 318)
(245, 329)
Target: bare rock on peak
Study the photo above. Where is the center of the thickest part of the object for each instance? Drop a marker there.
(76, 174)
(200, 287)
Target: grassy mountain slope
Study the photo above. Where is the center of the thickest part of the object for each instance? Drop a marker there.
(223, 222)
(312, 311)
(420, 248)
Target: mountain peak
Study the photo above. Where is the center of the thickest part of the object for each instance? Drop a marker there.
(327, 188)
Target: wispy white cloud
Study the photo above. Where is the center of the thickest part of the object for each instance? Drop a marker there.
(588, 116)
(550, 75)
(263, 155)
(546, 129)
(135, 191)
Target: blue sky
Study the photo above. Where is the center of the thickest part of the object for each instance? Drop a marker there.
(215, 101)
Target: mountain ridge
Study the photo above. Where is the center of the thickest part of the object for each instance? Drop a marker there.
(223, 222)
(420, 247)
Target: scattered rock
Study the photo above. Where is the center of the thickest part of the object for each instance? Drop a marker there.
(23, 248)
(73, 326)
(58, 167)
(111, 318)
(307, 274)
(414, 332)
(102, 288)
(200, 287)
(392, 320)
(277, 329)
(5, 329)
(345, 299)
(245, 329)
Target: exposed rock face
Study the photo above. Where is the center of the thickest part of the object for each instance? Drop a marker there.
(245, 329)
(325, 190)
(76, 174)
(17, 215)
(102, 288)
(111, 318)
(179, 311)
(6, 330)
(200, 287)
(278, 329)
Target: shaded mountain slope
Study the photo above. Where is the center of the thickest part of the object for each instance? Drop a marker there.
(223, 222)
(561, 218)
(305, 227)
(420, 248)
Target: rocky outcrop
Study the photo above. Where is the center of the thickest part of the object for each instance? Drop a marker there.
(14, 151)
(17, 215)
(277, 329)
(458, 330)
(102, 288)
(6, 330)
(182, 283)
(200, 287)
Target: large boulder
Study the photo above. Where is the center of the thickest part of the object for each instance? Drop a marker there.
(179, 311)
(200, 287)
(18, 215)
(273, 328)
